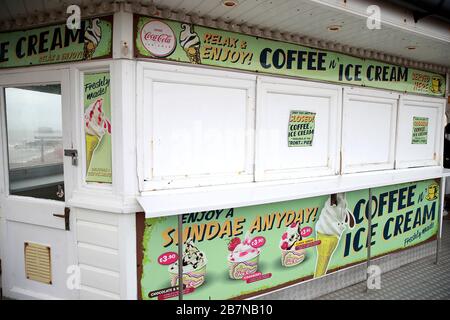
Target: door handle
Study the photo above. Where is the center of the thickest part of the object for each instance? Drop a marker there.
(66, 217)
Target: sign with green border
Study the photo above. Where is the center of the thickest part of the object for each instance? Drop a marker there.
(301, 128)
(97, 126)
(57, 44)
(420, 130)
(241, 252)
(177, 41)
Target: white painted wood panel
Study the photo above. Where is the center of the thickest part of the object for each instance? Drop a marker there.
(196, 126)
(100, 279)
(15, 283)
(98, 234)
(411, 154)
(88, 293)
(97, 217)
(277, 98)
(368, 130)
(107, 264)
(99, 257)
(172, 202)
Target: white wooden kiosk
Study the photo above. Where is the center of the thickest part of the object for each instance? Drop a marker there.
(180, 137)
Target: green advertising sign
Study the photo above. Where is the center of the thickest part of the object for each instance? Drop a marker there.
(171, 40)
(420, 130)
(239, 252)
(301, 128)
(56, 44)
(97, 127)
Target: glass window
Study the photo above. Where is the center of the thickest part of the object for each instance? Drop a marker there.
(35, 148)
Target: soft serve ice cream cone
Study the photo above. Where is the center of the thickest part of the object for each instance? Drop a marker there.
(243, 258)
(92, 37)
(95, 127)
(194, 267)
(190, 42)
(290, 256)
(333, 220)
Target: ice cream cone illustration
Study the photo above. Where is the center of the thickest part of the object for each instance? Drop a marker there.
(91, 144)
(96, 125)
(194, 267)
(324, 252)
(190, 42)
(92, 37)
(333, 220)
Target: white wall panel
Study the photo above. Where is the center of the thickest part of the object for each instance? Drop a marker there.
(196, 126)
(368, 130)
(411, 154)
(277, 99)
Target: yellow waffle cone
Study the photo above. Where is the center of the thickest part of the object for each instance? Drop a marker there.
(324, 252)
(89, 49)
(91, 144)
(193, 54)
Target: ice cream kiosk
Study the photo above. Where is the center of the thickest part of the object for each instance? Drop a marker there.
(147, 147)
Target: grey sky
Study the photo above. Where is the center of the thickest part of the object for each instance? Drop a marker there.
(29, 110)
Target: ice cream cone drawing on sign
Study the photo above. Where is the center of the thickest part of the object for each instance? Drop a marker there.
(92, 37)
(190, 42)
(95, 127)
(333, 220)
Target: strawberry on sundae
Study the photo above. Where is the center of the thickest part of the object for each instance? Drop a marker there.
(243, 258)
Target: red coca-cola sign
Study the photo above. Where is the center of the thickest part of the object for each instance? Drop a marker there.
(158, 38)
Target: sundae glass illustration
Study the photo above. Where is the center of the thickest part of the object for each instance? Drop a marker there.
(95, 127)
(290, 256)
(190, 42)
(92, 37)
(333, 220)
(194, 266)
(243, 258)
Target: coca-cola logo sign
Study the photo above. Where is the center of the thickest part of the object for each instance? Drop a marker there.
(158, 38)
